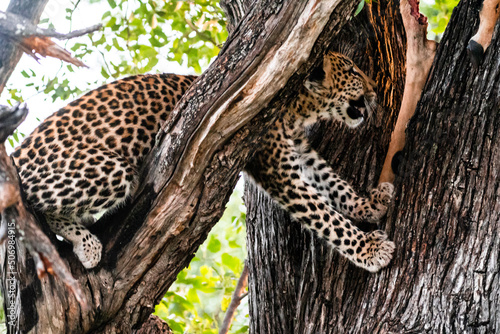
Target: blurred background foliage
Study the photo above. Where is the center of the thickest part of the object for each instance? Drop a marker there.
(142, 36)
(137, 34)
(438, 12)
(198, 300)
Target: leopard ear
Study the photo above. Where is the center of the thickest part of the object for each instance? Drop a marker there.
(317, 74)
(314, 81)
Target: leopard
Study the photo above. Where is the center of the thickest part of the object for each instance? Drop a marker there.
(83, 162)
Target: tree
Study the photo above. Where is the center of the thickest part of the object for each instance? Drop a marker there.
(435, 221)
(186, 181)
(443, 278)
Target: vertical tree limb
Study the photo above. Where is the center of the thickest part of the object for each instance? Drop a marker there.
(420, 54)
(444, 277)
(297, 283)
(210, 136)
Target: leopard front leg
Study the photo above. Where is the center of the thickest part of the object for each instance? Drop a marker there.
(371, 251)
(374, 208)
(338, 193)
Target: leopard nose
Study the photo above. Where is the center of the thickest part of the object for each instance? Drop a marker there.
(354, 113)
(356, 107)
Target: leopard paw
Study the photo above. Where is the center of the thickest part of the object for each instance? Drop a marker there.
(382, 194)
(377, 251)
(88, 250)
(373, 209)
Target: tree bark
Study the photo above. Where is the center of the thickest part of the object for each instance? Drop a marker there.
(188, 178)
(444, 276)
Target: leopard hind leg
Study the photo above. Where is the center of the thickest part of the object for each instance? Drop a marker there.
(100, 184)
(86, 246)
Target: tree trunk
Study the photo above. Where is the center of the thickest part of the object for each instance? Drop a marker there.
(187, 180)
(444, 220)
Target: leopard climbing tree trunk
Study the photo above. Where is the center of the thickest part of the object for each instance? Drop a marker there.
(187, 179)
(445, 218)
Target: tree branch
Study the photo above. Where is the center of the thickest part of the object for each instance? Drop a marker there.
(18, 224)
(34, 40)
(20, 232)
(9, 53)
(17, 27)
(420, 54)
(154, 325)
(235, 301)
(10, 118)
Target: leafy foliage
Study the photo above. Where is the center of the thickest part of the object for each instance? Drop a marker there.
(438, 13)
(136, 31)
(197, 301)
(138, 36)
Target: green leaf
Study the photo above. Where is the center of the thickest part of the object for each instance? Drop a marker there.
(360, 7)
(243, 329)
(225, 303)
(111, 23)
(214, 245)
(105, 15)
(231, 262)
(192, 296)
(104, 73)
(116, 45)
(234, 244)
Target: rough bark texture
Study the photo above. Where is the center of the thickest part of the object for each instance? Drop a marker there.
(297, 284)
(188, 178)
(444, 221)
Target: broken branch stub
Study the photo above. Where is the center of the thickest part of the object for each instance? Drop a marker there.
(34, 40)
(45, 47)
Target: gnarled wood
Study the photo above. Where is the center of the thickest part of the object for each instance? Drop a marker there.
(297, 283)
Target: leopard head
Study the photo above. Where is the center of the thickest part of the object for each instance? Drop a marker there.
(341, 90)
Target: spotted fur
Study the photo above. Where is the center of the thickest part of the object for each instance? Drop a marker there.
(303, 183)
(83, 161)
